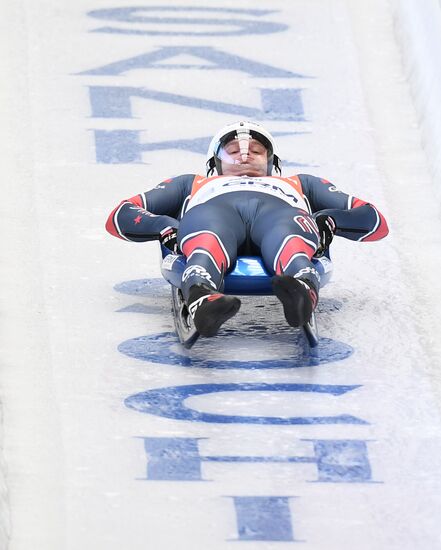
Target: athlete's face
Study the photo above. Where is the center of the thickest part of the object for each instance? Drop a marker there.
(244, 159)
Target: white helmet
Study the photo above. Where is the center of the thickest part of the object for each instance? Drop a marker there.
(243, 131)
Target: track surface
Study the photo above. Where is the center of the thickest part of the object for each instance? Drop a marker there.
(113, 436)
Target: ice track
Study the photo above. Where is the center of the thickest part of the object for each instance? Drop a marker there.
(112, 435)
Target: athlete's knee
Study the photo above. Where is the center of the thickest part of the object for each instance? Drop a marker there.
(292, 250)
(209, 244)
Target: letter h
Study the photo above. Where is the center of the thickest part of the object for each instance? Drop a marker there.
(337, 461)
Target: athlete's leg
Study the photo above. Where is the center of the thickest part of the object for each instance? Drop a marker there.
(288, 239)
(209, 235)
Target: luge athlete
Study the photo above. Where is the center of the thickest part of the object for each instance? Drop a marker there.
(243, 205)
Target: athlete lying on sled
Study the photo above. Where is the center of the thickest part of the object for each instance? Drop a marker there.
(239, 207)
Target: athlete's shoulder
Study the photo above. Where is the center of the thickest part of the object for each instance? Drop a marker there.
(311, 178)
(182, 179)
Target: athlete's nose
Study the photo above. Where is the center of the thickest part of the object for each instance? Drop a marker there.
(244, 146)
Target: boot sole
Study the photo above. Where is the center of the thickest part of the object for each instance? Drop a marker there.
(217, 314)
(296, 304)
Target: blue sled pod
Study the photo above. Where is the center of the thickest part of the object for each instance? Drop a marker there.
(248, 278)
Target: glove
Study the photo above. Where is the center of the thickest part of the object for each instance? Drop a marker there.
(327, 228)
(168, 238)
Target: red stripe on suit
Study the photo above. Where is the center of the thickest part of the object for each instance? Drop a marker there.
(295, 245)
(110, 223)
(382, 229)
(210, 243)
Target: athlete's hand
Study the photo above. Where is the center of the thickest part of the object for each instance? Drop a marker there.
(168, 238)
(327, 228)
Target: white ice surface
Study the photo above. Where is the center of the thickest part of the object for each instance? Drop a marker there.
(73, 455)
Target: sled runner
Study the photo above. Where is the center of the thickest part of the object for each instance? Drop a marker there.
(249, 278)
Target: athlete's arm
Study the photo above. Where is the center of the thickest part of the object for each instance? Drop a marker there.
(142, 217)
(355, 219)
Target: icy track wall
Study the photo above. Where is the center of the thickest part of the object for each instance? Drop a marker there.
(419, 33)
(4, 509)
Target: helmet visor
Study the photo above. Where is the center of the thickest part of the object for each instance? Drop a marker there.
(244, 153)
